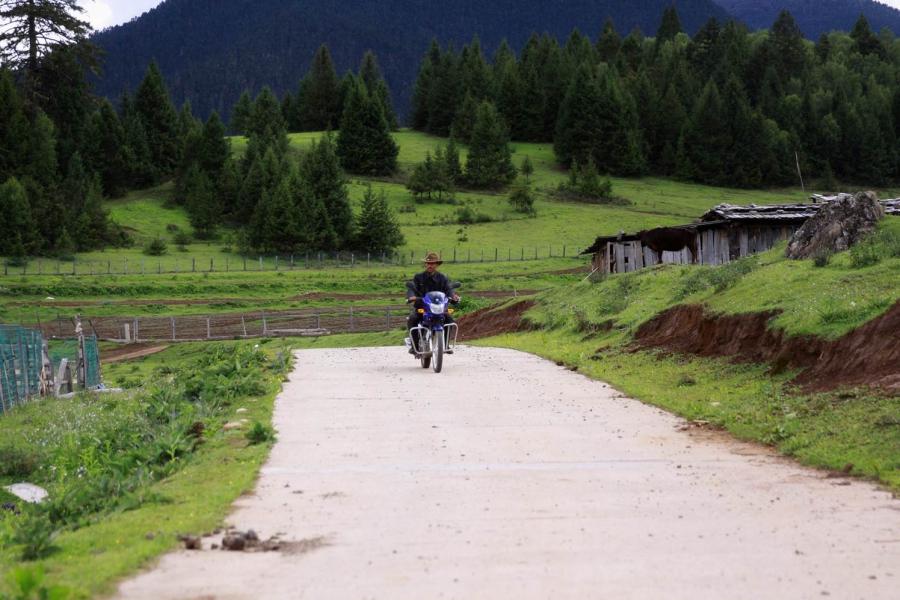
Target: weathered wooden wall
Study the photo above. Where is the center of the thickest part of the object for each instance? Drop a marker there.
(715, 246)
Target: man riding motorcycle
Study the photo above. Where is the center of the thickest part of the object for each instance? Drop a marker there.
(430, 280)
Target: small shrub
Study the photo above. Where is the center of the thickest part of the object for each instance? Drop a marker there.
(182, 238)
(27, 583)
(522, 200)
(874, 248)
(259, 433)
(822, 258)
(172, 228)
(16, 461)
(467, 216)
(35, 532)
(156, 247)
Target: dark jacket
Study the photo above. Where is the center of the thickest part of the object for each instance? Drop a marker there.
(425, 282)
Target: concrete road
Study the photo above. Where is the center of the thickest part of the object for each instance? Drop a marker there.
(507, 476)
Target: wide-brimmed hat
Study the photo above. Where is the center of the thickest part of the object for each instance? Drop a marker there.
(432, 257)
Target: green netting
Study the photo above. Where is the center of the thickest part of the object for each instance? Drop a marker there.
(20, 364)
(91, 361)
(21, 361)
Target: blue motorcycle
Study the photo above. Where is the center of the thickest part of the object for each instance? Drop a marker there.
(434, 336)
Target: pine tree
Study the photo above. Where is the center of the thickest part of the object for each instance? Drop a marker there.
(159, 119)
(454, 167)
(93, 230)
(705, 140)
(266, 127)
(446, 93)
(464, 119)
(106, 150)
(364, 144)
(241, 114)
(316, 232)
(15, 214)
(864, 41)
(39, 162)
(788, 47)
(320, 169)
(14, 127)
(321, 94)
(526, 169)
(609, 44)
(202, 203)
(228, 187)
(474, 73)
(669, 27)
(33, 29)
(263, 175)
(371, 76)
(215, 148)
(511, 99)
(377, 230)
(274, 227)
(421, 114)
(489, 163)
(142, 172)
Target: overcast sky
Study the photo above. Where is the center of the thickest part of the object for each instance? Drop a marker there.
(106, 13)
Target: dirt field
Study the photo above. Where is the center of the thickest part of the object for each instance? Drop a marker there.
(506, 476)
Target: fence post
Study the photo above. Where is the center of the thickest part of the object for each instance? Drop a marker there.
(496, 255)
(351, 319)
(276, 262)
(564, 250)
(245, 263)
(124, 266)
(73, 266)
(292, 262)
(142, 266)
(211, 265)
(368, 259)
(243, 326)
(226, 264)
(468, 260)
(108, 267)
(207, 328)
(318, 320)
(260, 263)
(523, 253)
(193, 264)
(265, 331)
(388, 313)
(173, 329)
(352, 260)
(136, 330)
(158, 268)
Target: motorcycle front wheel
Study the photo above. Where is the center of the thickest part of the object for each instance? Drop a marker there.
(426, 358)
(437, 352)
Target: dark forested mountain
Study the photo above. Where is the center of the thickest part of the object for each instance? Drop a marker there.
(815, 17)
(211, 50)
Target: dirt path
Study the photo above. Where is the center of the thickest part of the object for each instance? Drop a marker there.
(509, 477)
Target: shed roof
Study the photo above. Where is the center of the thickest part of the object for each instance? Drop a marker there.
(752, 213)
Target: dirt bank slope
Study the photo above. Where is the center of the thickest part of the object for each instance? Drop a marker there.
(869, 355)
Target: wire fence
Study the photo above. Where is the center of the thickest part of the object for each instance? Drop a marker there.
(309, 260)
(304, 322)
(27, 365)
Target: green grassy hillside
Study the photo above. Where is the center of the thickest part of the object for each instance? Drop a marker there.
(433, 226)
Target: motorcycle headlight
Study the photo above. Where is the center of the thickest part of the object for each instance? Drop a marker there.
(436, 309)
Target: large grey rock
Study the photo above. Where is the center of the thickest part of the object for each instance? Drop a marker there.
(837, 226)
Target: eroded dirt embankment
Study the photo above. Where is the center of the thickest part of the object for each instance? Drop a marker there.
(493, 321)
(868, 355)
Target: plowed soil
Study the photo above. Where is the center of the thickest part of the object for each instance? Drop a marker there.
(867, 356)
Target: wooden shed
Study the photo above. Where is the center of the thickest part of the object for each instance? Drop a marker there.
(725, 233)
